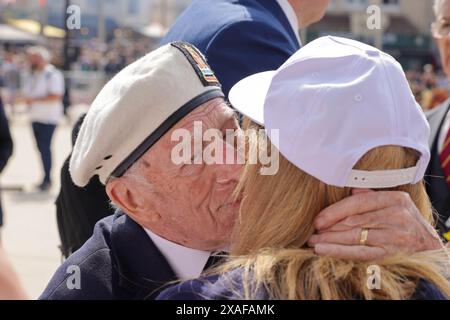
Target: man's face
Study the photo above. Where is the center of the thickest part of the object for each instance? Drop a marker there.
(190, 204)
(35, 61)
(309, 11)
(441, 30)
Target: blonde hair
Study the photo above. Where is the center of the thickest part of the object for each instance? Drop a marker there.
(276, 221)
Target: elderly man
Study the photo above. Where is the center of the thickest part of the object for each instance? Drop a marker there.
(438, 172)
(173, 216)
(251, 36)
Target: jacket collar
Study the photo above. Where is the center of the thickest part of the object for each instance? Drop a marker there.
(273, 7)
(142, 269)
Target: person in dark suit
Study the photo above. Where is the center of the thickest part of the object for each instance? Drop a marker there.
(6, 147)
(243, 37)
(79, 209)
(437, 178)
(162, 231)
(438, 172)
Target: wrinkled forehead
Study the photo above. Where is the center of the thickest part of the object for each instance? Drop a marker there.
(211, 114)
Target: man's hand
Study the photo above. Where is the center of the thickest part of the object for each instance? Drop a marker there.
(395, 225)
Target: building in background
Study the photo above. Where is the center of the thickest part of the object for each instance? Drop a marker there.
(405, 27)
(128, 13)
(163, 15)
(117, 13)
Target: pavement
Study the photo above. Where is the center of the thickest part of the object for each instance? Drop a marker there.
(30, 235)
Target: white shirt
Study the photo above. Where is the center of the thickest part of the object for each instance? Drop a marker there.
(187, 263)
(41, 84)
(291, 16)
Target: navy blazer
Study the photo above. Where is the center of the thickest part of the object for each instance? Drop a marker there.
(238, 37)
(218, 288)
(118, 262)
(437, 188)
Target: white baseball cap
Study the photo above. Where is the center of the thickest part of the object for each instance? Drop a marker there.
(332, 102)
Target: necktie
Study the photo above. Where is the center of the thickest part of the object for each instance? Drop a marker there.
(445, 158)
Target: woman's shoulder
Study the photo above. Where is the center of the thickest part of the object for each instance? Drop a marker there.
(427, 291)
(187, 290)
(227, 286)
(205, 288)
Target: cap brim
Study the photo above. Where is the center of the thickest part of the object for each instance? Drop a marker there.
(248, 96)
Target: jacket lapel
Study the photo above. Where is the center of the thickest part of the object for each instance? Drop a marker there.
(142, 269)
(436, 119)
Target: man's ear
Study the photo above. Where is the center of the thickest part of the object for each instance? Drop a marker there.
(120, 194)
(130, 201)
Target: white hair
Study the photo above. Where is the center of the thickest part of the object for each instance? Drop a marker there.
(136, 174)
(40, 51)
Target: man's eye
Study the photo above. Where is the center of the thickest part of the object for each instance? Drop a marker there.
(444, 26)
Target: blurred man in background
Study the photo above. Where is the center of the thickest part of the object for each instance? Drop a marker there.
(44, 91)
(438, 173)
(240, 38)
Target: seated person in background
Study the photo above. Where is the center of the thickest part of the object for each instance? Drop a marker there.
(344, 119)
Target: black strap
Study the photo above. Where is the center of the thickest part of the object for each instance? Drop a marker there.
(164, 127)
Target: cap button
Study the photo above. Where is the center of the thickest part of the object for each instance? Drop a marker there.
(373, 53)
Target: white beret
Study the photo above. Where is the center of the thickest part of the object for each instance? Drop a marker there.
(137, 107)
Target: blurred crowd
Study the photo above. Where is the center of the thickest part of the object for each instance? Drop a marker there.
(110, 57)
(429, 86)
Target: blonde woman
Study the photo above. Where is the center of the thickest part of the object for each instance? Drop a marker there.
(344, 120)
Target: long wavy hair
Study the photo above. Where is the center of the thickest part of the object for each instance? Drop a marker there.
(269, 243)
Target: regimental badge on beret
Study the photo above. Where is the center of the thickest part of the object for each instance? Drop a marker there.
(198, 62)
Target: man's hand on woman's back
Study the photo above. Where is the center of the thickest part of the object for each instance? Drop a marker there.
(393, 222)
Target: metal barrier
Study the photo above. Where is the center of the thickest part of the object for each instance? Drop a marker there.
(84, 85)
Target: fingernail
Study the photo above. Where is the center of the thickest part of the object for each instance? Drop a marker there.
(312, 241)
